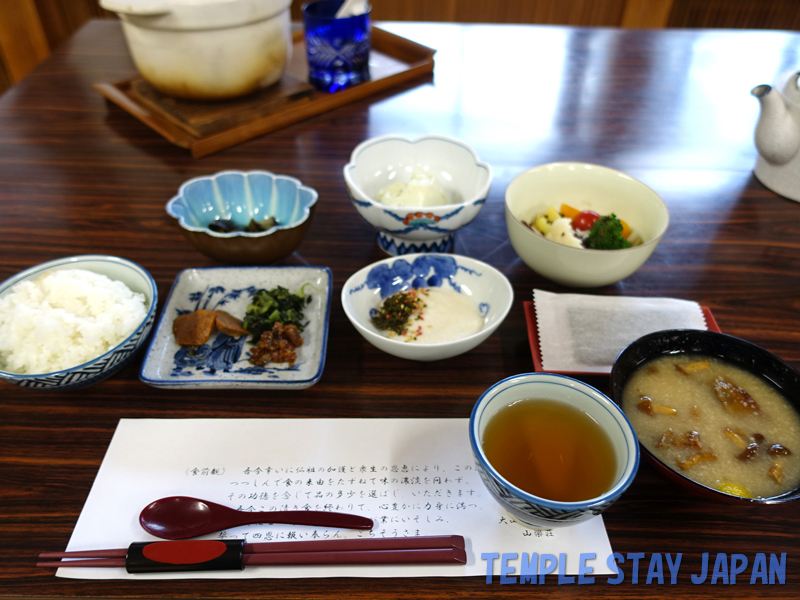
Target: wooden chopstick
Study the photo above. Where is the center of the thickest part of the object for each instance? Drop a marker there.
(337, 557)
(360, 557)
(402, 543)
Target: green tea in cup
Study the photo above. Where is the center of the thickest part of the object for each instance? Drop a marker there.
(550, 449)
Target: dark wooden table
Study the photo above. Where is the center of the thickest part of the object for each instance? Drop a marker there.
(78, 175)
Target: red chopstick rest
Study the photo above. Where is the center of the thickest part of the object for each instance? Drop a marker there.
(189, 555)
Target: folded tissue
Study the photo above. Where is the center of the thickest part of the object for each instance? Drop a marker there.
(585, 334)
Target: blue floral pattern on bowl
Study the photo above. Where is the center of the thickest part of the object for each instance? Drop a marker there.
(367, 288)
(423, 272)
(223, 361)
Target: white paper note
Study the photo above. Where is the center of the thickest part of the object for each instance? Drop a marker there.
(581, 333)
(411, 476)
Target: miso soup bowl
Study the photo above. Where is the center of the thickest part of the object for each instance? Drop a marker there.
(741, 353)
(526, 508)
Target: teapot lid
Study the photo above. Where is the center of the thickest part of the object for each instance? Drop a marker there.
(194, 14)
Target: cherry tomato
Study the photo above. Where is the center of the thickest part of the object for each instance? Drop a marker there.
(584, 220)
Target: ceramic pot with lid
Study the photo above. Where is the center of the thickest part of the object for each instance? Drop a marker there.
(207, 49)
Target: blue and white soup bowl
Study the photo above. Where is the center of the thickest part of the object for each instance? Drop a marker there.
(534, 511)
(485, 285)
(381, 161)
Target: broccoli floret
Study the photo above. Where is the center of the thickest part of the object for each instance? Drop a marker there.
(606, 234)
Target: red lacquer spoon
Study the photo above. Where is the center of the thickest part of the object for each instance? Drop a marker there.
(181, 517)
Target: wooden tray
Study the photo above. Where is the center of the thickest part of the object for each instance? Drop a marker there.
(207, 127)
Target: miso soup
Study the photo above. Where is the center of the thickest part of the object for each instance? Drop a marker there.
(716, 423)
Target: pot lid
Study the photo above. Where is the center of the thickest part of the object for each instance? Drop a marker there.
(194, 14)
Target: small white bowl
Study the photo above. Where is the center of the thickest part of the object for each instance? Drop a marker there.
(584, 187)
(105, 365)
(367, 288)
(527, 508)
(381, 161)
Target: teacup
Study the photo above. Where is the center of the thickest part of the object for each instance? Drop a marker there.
(539, 512)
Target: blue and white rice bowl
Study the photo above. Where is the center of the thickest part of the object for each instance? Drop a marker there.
(378, 162)
(105, 365)
(485, 285)
(534, 511)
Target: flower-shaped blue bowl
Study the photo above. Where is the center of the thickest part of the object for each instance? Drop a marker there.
(242, 196)
(527, 508)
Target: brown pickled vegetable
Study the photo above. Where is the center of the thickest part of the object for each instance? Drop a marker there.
(277, 345)
(230, 325)
(194, 328)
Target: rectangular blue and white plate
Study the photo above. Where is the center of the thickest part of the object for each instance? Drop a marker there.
(222, 362)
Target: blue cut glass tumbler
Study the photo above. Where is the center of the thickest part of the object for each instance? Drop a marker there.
(337, 49)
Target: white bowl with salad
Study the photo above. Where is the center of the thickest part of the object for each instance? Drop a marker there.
(583, 225)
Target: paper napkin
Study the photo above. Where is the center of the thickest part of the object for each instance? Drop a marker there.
(584, 333)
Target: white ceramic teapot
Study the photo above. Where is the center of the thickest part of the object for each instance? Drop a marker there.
(207, 49)
(778, 138)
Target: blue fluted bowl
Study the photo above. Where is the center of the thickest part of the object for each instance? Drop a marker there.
(377, 162)
(105, 365)
(240, 196)
(535, 511)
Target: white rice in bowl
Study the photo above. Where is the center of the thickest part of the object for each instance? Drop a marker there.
(64, 319)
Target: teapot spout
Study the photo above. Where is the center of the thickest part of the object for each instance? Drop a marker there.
(777, 132)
